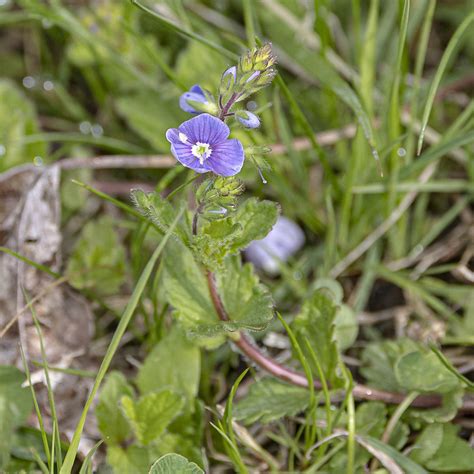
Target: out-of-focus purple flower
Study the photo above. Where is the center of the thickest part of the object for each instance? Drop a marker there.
(201, 144)
(283, 241)
(247, 119)
(196, 95)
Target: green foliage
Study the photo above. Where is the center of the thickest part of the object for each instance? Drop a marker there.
(17, 121)
(269, 400)
(253, 220)
(112, 423)
(316, 323)
(158, 210)
(98, 259)
(246, 300)
(174, 464)
(186, 288)
(152, 413)
(406, 366)
(379, 359)
(423, 372)
(179, 373)
(256, 219)
(247, 303)
(439, 449)
(15, 406)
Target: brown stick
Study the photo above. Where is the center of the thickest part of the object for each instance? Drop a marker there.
(361, 392)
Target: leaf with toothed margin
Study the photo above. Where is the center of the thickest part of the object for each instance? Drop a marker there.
(286, 400)
(159, 211)
(256, 219)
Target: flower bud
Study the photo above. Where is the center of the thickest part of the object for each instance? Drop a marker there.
(228, 79)
(247, 119)
(197, 101)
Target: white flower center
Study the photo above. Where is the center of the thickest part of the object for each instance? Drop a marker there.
(202, 151)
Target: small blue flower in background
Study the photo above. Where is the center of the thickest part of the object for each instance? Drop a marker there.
(195, 94)
(247, 119)
(202, 144)
(283, 241)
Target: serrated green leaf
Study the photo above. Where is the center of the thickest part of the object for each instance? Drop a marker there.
(315, 322)
(245, 299)
(286, 400)
(214, 241)
(439, 449)
(256, 219)
(186, 287)
(179, 373)
(174, 464)
(111, 422)
(152, 413)
(157, 210)
(17, 120)
(16, 404)
(424, 372)
(98, 259)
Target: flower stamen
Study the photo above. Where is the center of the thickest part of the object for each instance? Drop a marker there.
(202, 151)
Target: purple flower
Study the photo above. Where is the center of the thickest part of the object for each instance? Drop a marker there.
(196, 94)
(247, 119)
(201, 144)
(283, 241)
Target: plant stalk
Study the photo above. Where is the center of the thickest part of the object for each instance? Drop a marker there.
(360, 392)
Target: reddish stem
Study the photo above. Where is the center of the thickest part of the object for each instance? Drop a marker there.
(361, 392)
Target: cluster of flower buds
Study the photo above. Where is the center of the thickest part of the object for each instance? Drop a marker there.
(217, 197)
(254, 71)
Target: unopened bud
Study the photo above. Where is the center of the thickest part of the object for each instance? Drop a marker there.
(247, 119)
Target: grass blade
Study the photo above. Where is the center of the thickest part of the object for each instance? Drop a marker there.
(447, 55)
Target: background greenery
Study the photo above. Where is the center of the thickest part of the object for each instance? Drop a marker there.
(391, 84)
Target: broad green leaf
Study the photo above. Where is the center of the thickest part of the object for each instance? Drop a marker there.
(345, 327)
(174, 464)
(247, 302)
(253, 220)
(157, 210)
(451, 402)
(424, 372)
(152, 413)
(256, 219)
(315, 322)
(186, 288)
(17, 120)
(179, 372)
(439, 449)
(98, 259)
(378, 360)
(214, 241)
(131, 460)
(269, 400)
(111, 422)
(15, 406)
